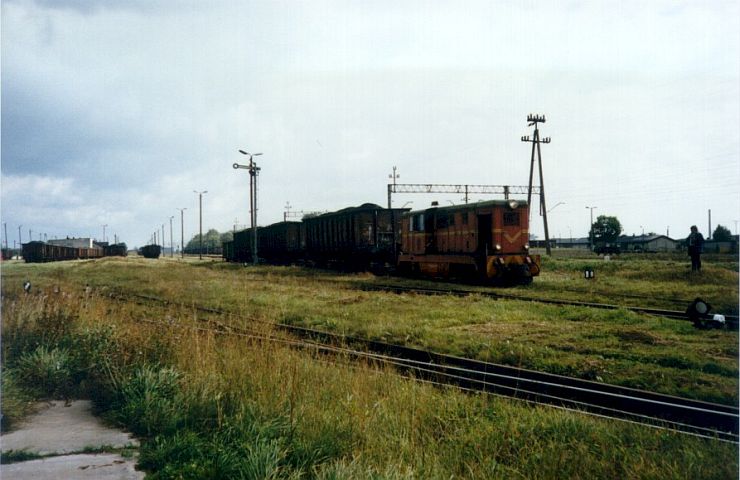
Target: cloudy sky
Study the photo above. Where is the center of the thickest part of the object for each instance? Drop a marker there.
(113, 112)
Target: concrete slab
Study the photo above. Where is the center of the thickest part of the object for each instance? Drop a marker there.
(104, 466)
(56, 429)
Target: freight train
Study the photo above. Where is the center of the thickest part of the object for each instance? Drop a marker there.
(37, 252)
(483, 241)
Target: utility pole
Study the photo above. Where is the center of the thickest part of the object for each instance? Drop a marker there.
(5, 226)
(286, 213)
(20, 239)
(163, 240)
(393, 176)
(182, 232)
(591, 228)
(534, 120)
(172, 239)
(200, 215)
(709, 215)
(253, 172)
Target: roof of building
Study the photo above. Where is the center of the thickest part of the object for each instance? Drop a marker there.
(570, 241)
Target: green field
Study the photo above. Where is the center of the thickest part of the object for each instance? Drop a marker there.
(211, 405)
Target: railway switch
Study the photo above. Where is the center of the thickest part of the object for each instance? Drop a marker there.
(698, 313)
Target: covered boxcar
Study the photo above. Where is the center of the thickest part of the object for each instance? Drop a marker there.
(240, 250)
(484, 240)
(355, 237)
(227, 250)
(116, 250)
(281, 242)
(150, 251)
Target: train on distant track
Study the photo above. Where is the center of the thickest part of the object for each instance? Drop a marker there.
(150, 251)
(484, 241)
(37, 252)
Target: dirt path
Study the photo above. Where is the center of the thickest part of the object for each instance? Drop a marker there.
(62, 435)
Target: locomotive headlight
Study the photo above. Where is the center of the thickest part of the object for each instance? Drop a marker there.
(513, 204)
(498, 247)
(526, 246)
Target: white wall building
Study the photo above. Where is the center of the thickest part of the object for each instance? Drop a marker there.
(72, 242)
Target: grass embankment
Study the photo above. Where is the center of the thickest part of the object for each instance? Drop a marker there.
(215, 406)
(618, 347)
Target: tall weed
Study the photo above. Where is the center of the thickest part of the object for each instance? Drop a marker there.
(17, 402)
(149, 401)
(47, 372)
(32, 322)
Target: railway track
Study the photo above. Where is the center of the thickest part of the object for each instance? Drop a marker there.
(731, 320)
(704, 419)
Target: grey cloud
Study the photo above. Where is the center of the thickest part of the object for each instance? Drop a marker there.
(92, 7)
(139, 110)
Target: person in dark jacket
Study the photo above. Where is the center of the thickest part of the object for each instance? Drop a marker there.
(695, 241)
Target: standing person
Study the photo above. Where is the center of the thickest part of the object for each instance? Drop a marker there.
(695, 241)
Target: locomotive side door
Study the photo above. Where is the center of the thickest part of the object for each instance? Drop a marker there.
(485, 233)
(430, 233)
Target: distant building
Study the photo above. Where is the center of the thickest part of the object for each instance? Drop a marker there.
(712, 246)
(647, 243)
(581, 243)
(72, 242)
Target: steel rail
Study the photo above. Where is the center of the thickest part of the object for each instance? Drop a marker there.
(438, 375)
(680, 414)
(465, 379)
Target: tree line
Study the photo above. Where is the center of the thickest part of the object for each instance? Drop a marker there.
(212, 241)
(607, 229)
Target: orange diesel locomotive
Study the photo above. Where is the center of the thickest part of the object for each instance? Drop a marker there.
(488, 241)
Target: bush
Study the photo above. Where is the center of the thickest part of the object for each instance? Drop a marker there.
(16, 402)
(30, 326)
(232, 452)
(149, 402)
(47, 373)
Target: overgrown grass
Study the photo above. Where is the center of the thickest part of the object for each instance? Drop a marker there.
(216, 406)
(15, 456)
(17, 401)
(618, 347)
